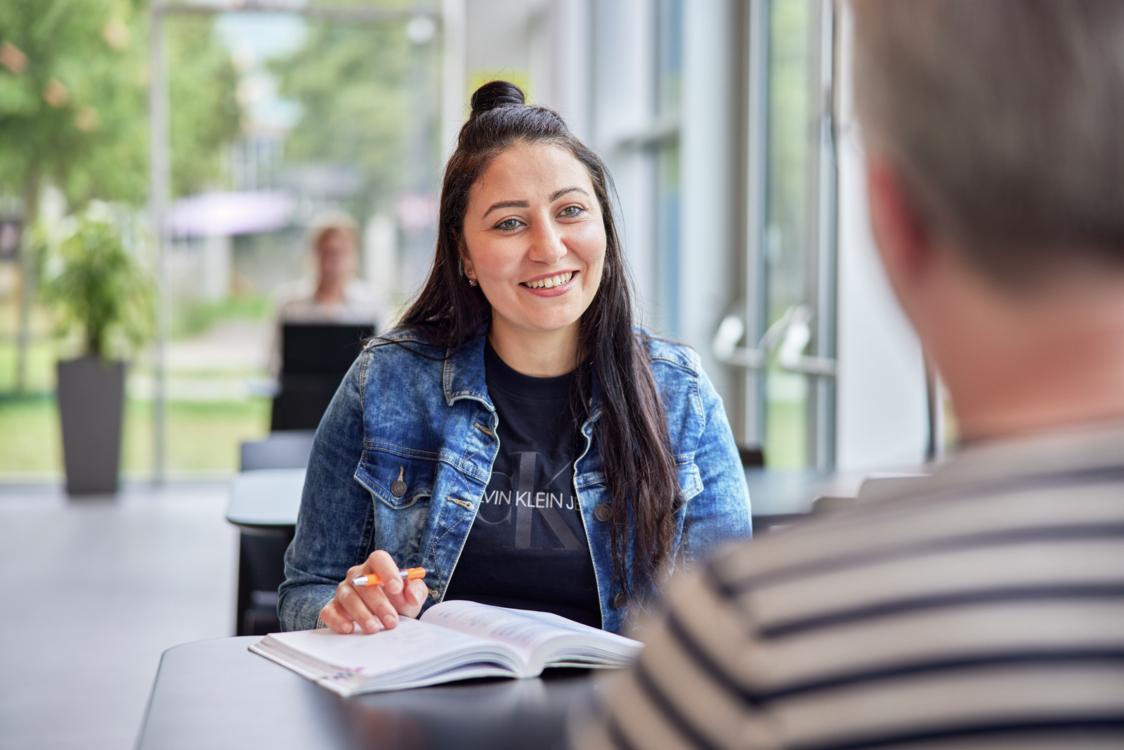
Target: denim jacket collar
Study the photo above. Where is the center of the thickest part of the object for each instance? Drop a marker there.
(463, 377)
(463, 373)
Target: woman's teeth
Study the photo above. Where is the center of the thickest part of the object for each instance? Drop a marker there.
(550, 282)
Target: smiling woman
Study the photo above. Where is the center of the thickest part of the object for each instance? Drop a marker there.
(515, 435)
(537, 250)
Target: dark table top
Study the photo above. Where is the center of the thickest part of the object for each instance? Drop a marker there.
(216, 694)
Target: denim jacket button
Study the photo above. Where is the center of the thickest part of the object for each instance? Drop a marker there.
(398, 486)
(603, 513)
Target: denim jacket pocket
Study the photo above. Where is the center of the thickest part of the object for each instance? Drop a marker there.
(401, 486)
(398, 481)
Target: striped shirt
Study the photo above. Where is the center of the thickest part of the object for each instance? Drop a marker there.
(983, 609)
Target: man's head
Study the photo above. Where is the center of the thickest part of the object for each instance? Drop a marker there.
(1004, 120)
(994, 138)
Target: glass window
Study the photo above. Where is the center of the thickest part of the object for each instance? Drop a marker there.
(792, 250)
(786, 248)
(274, 119)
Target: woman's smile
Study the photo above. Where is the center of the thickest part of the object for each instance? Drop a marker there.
(550, 285)
(535, 243)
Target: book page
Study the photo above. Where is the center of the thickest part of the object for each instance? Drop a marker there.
(409, 649)
(525, 630)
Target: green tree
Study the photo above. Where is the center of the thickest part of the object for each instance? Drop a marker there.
(204, 112)
(73, 101)
(74, 106)
(357, 89)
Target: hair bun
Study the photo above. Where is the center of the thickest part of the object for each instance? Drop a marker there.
(496, 94)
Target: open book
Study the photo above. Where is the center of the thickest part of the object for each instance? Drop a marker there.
(453, 640)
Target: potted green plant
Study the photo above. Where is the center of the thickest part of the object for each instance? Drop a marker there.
(102, 303)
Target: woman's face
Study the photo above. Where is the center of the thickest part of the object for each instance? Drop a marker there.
(535, 239)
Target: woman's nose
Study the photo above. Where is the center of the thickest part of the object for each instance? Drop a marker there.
(547, 245)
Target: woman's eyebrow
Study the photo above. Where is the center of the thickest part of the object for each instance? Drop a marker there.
(559, 193)
(524, 204)
(504, 204)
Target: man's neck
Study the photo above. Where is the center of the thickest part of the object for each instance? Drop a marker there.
(1056, 371)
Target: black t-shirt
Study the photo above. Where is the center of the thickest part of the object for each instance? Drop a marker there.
(527, 547)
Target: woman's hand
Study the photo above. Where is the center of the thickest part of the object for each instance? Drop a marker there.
(373, 608)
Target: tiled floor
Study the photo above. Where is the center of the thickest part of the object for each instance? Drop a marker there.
(91, 593)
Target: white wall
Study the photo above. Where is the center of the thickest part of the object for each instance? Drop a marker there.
(881, 417)
(708, 238)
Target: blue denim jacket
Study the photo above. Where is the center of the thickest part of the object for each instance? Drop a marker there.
(404, 452)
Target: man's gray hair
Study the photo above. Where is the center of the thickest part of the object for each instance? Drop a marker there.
(1005, 120)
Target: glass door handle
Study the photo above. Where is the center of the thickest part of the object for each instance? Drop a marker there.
(787, 337)
(724, 345)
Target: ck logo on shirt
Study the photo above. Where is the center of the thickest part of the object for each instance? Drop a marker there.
(535, 492)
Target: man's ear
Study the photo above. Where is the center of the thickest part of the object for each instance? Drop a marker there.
(902, 239)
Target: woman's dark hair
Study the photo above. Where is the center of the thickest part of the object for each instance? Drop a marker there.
(639, 467)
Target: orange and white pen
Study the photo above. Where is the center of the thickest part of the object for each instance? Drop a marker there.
(409, 574)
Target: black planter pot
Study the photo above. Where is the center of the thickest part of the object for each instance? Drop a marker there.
(91, 401)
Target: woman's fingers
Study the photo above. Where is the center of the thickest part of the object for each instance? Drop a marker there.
(417, 592)
(409, 601)
(361, 608)
(374, 608)
(382, 564)
(332, 617)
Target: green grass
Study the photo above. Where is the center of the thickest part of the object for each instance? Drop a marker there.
(192, 318)
(203, 437)
(785, 434)
(41, 355)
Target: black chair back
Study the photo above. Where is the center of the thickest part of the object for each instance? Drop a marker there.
(314, 359)
(261, 551)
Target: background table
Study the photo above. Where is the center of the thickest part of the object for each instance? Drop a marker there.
(271, 498)
(267, 497)
(216, 694)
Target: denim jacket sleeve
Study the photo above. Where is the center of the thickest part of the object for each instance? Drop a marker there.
(335, 522)
(721, 510)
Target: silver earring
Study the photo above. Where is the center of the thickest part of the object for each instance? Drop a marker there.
(471, 281)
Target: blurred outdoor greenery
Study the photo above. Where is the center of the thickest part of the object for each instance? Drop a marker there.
(74, 97)
(74, 83)
(207, 432)
(206, 439)
(193, 318)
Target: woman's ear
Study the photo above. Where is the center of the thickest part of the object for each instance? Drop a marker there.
(464, 262)
(467, 268)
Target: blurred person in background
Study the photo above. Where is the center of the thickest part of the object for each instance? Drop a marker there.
(333, 294)
(515, 435)
(983, 607)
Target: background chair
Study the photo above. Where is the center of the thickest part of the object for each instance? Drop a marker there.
(314, 359)
(752, 456)
(261, 551)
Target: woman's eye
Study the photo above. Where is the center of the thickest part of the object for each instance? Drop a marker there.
(508, 225)
(570, 212)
